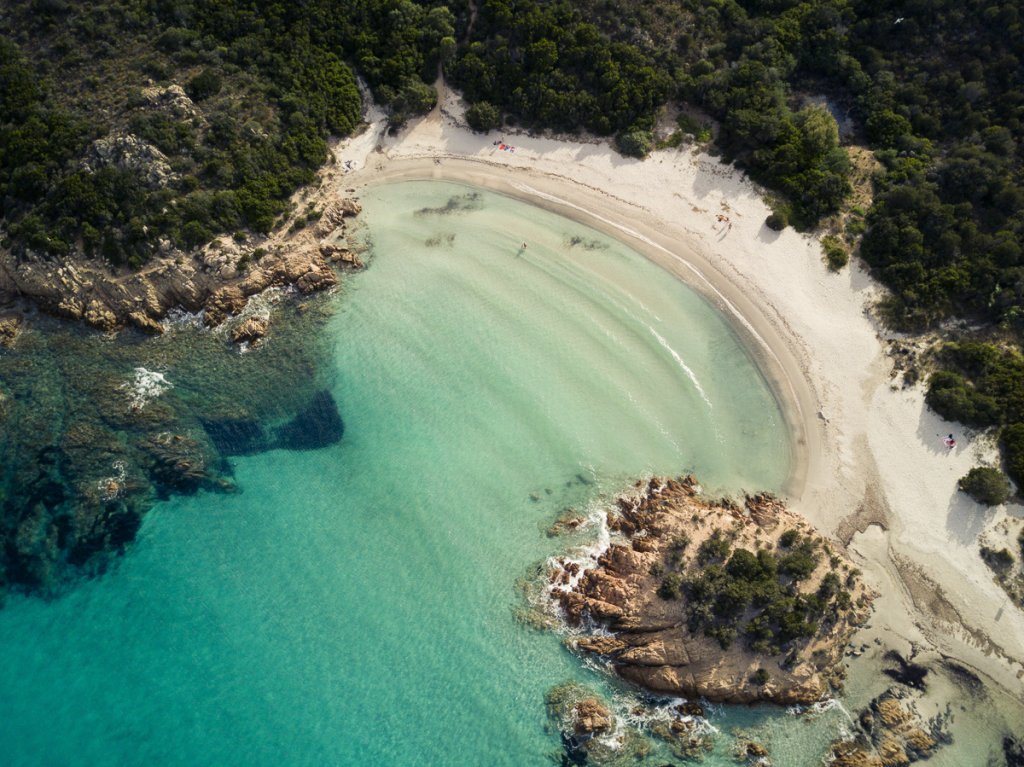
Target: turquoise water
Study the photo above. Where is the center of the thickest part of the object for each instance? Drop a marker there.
(357, 605)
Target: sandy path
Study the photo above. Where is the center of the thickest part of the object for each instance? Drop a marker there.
(870, 465)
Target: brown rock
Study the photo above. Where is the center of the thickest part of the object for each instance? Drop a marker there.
(10, 327)
(334, 215)
(852, 754)
(591, 717)
(606, 588)
(99, 315)
(654, 648)
(690, 709)
(892, 714)
(249, 330)
(892, 754)
(315, 280)
(341, 255)
(222, 304)
(146, 323)
(601, 645)
(755, 750)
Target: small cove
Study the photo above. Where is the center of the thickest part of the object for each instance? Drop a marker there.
(357, 604)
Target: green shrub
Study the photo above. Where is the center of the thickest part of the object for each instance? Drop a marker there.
(674, 141)
(986, 485)
(829, 586)
(679, 543)
(714, 549)
(671, 587)
(1000, 561)
(797, 565)
(1012, 442)
(204, 85)
(836, 254)
(483, 116)
(760, 677)
(788, 538)
(954, 398)
(776, 221)
(634, 142)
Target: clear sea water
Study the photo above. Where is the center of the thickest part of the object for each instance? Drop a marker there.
(357, 605)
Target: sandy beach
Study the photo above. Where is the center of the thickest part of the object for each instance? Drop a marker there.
(870, 465)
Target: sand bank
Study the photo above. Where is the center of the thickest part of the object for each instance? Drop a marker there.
(870, 464)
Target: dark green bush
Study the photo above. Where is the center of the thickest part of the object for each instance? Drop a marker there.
(776, 221)
(836, 254)
(204, 85)
(1000, 561)
(986, 485)
(635, 142)
(671, 586)
(483, 116)
(954, 398)
(788, 538)
(1012, 442)
(714, 549)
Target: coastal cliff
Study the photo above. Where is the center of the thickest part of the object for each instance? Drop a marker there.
(707, 599)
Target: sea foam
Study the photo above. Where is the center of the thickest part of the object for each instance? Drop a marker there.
(146, 385)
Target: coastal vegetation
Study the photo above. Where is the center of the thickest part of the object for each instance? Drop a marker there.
(986, 485)
(104, 154)
(129, 126)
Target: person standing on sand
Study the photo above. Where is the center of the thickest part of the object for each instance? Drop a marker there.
(950, 442)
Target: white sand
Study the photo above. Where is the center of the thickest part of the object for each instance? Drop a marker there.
(867, 455)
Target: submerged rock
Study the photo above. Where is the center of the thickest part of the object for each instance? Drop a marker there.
(92, 437)
(236, 436)
(318, 425)
(9, 329)
(1013, 750)
(587, 729)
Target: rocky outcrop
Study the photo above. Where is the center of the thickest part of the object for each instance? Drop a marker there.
(10, 327)
(128, 152)
(174, 101)
(891, 733)
(591, 717)
(250, 330)
(219, 279)
(733, 604)
(338, 254)
(334, 215)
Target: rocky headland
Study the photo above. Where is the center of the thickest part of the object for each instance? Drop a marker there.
(713, 599)
(217, 280)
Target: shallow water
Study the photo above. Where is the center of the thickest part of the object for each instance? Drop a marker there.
(357, 604)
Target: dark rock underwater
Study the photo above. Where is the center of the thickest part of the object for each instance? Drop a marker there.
(94, 429)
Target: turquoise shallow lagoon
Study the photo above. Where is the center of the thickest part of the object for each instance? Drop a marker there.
(356, 605)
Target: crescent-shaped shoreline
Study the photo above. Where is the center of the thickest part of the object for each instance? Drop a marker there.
(865, 469)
